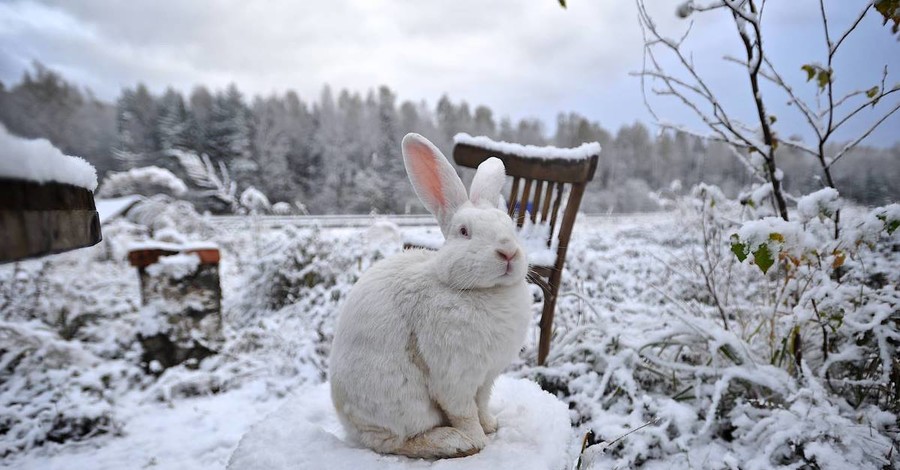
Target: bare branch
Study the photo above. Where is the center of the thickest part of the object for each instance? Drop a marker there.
(801, 105)
(834, 47)
(719, 116)
(862, 137)
(871, 102)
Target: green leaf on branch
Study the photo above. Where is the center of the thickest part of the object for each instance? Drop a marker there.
(872, 92)
(772, 119)
(738, 248)
(810, 71)
(562, 3)
(890, 10)
(889, 225)
(763, 258)
(824, 78)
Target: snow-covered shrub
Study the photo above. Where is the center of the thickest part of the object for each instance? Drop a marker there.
(829, 312)
(631, 195)
(215, 181)
(146, 181)
(161, 212)
(299, 264)
(254, 201)
(73, 304)
(52, 390)
(282, 208)
(722, 365)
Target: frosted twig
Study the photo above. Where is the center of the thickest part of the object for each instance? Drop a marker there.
(604, 445)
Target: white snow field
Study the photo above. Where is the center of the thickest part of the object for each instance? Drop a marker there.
(533, 434)
(637, 339)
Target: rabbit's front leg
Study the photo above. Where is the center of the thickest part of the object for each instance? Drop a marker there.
(462, 413)
(482, 397)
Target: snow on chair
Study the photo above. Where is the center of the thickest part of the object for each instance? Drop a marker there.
(544, 181)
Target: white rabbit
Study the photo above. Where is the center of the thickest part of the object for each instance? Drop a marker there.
(423, 334)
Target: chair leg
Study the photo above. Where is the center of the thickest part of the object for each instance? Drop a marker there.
(547, 322)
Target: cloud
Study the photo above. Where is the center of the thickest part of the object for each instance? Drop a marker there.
(521, 58)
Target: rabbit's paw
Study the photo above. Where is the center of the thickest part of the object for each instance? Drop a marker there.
(476, 434)
(456, 443)
(488, 422)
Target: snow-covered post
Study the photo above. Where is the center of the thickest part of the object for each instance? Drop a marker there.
(181, 317)
(46, 199)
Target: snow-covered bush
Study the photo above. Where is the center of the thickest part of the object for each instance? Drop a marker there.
(52, 390)
(215, 181)
(631, 195)
(254, 201)
(282, 208)
(146, 181)
(160, 213)
(733, 368)
(298, 264)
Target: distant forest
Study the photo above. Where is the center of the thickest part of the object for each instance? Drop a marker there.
(340, 152)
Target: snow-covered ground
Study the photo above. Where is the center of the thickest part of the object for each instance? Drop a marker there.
(636, 341)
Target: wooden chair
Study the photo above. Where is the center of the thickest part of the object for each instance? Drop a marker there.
(543, 184)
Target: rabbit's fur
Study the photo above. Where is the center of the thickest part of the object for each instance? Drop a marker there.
(422, 335)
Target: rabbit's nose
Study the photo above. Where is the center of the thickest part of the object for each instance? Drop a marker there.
(507, 255)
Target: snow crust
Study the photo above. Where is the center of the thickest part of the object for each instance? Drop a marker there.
(38, 160)
(533, 434)
(582, 152)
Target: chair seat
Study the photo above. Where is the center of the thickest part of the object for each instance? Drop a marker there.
(534, 432)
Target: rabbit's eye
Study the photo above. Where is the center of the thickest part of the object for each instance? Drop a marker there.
(464, 231)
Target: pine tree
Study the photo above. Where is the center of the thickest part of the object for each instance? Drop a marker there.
(172, 121)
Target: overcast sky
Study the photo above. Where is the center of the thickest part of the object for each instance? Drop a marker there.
(523, 58)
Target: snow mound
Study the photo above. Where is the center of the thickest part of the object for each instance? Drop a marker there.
(305, 433)
(824, 202)
(582, 152)
(38, 160)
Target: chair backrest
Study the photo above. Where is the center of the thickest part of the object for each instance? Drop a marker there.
(540, 186)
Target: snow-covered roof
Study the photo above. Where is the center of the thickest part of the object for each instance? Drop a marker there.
(109, 208)
(582, 152)
(38, 160)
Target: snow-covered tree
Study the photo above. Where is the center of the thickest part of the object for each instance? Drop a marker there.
(172, 121)
(229, 132)
(136, 116)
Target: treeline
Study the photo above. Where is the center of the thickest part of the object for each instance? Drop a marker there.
(339, 153)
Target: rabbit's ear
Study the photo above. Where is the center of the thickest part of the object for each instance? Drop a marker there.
(433, 178)
(488, 182)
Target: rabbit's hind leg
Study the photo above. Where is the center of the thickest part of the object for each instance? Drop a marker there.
(438, 443)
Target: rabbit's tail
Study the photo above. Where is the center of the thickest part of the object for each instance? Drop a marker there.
(436, 443)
